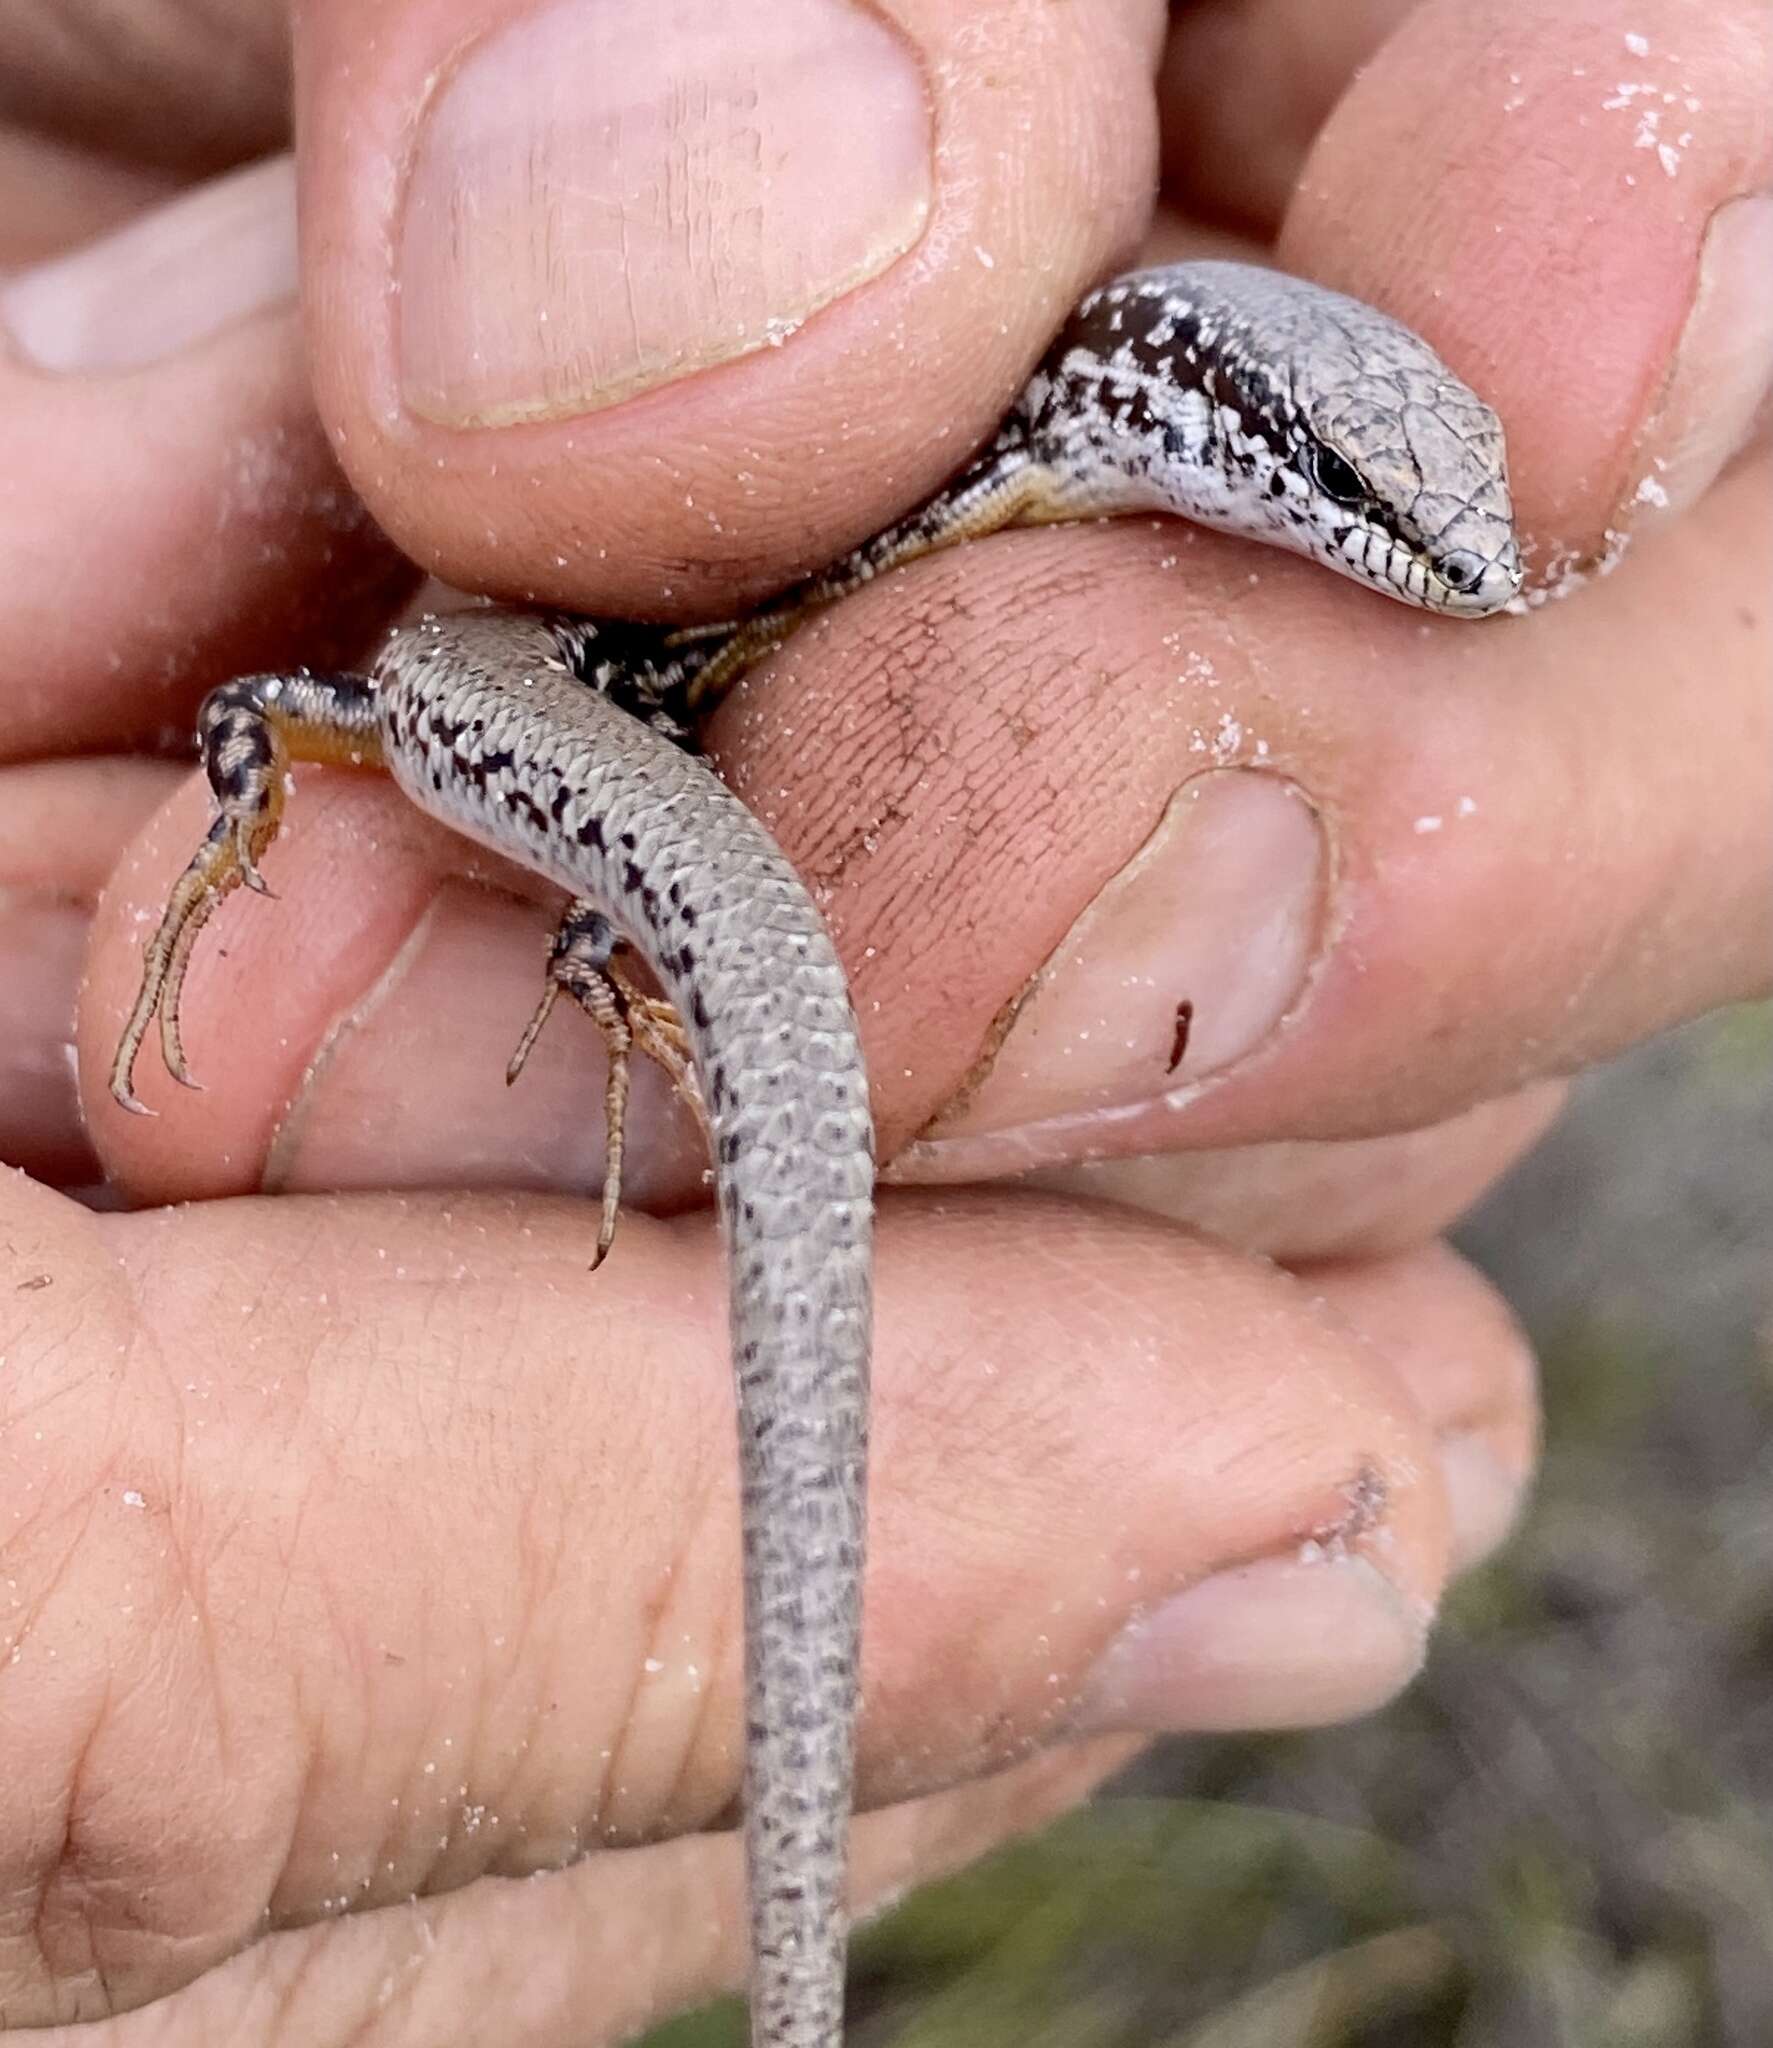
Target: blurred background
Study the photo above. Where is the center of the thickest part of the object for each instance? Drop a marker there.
(1562, 1835)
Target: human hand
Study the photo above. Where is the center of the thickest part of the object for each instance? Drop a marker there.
(1123, 1412)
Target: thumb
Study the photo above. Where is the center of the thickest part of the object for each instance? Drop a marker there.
(626, 305)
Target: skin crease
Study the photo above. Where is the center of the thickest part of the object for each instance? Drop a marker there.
(1122, 1332)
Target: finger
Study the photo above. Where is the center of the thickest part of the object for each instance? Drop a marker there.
(639, 313)
(308, 1079)
(1323, 1199)
(1349, 934)
(53, 196)
(1244, 89)
(1094, 1479)
(1456, 1347)
(1620, 295)
(192, 89)
(380, 1061)
(62, 827)
(570, 1958)
(173, 514)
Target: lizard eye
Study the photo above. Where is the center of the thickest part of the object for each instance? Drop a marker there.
(1334, 477)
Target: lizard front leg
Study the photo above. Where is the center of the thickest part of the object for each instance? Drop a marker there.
(250, 731)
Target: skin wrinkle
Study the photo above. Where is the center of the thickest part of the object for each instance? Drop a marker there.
(654, 1624)
(76, 1887)
(543, 1580)
(58, 1873)
(93, 1892)
(944, 1401)
(707, 1516)
(67, 1881)
(986, 798)
(193, 1577)
(722, 1668)
(282, 1882)
(283, 1142)
(928, 636)
(638, 1719)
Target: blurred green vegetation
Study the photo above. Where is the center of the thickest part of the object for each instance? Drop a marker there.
(1562, 1836)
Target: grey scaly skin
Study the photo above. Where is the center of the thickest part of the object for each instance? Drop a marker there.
(1242, 399)
(612, 811)
(1238, 398)
(1228, 395)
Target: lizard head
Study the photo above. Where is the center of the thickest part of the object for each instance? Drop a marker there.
(1266, 406)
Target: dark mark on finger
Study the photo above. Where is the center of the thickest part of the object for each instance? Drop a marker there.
(1179, 1046)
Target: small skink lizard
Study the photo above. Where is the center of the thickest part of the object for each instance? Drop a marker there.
(1218, 392)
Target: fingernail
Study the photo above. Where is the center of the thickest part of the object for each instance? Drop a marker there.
(1483, 1497)
(1718, 390)
(1185, 962)
(1281, 1643)
(606, 197)
(175, 276)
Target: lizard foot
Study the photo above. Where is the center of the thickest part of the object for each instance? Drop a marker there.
(589, 961)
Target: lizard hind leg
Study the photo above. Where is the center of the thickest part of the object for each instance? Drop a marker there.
(250, 731)
(589, 961)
